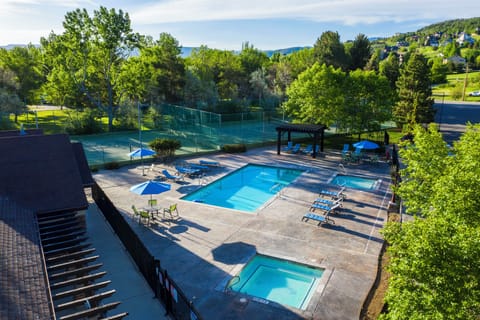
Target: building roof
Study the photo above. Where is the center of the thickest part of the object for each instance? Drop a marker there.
(41, 173)
(22, 273)
(82, 163)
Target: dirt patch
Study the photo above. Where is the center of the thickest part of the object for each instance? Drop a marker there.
(374, 305)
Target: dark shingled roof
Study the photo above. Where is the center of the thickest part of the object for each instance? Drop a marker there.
(41, 173)
(83, 167)
(23, 290)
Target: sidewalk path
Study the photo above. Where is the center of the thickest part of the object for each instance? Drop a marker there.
(133, 291)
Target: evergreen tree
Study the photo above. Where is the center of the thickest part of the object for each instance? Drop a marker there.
(415, 102)
(330, 51)
(390, 68)
(360, 52)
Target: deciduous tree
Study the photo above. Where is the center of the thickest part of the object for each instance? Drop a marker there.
(434, 258)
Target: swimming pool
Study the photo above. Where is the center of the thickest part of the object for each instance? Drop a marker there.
(278, 280)
(355, 182)
(245, 189)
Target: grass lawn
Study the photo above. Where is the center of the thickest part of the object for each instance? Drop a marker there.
(453, 89)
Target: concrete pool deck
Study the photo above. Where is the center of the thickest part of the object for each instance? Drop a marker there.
(208, 245)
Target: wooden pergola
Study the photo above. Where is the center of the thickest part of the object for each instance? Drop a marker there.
(317, 130)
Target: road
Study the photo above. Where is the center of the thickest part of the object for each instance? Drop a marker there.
(452, 117)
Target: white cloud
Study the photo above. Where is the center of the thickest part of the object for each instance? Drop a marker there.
(348, 12)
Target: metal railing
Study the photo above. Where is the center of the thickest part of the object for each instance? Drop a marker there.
(166, 290)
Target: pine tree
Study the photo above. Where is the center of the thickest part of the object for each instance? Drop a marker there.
(415, 104)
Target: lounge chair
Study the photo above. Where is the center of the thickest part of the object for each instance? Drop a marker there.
(317, 217)
(346, 148)
(334, 194)
(296, 148)
(289, 146)
(170, 176)
(308, 149)
(326, 209)
(209, 163)
(329, 202)
(187, 171)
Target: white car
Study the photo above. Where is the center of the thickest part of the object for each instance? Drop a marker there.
(474, 94)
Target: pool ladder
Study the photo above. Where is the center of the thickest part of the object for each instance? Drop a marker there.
(342, 169)
(232, 282)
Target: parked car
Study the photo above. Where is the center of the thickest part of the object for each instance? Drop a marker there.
(474, 94)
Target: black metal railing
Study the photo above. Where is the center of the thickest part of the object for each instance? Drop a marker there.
(166, 290)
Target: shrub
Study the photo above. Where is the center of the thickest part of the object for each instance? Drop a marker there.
(234, 148)
(84, 122)
(165, 147)
(112, 165)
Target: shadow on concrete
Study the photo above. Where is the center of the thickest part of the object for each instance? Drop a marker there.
(233, 253)
(339, 228)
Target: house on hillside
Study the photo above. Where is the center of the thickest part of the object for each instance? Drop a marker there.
(456, 60)
(47, 270)
(464, 39)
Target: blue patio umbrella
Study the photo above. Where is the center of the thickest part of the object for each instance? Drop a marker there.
(142, 152)
(366, 144)
(150, 187)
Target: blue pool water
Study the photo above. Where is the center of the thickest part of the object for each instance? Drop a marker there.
(355, 182)
(245, 189)
(277, 280)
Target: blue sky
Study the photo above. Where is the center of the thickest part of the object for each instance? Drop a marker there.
(226, 24)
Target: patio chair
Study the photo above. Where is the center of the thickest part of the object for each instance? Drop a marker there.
(317, 217)
(357, 155)
(170, 176)
(346, 148)
(141, 215)
(334, 194)
(152, 202)
(172, 211)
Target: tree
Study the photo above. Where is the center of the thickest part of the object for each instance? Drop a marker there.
(9, 100)
(251, 60)
(360, 52)
(166, 69)
(438, 71)
(434, 258)
(26, 65)
(368, 101)
(390, 68)
(314, 97)
(415, 104)
(92, 51)
(329, 50)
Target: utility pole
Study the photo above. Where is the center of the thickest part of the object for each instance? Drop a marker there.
(465, 82)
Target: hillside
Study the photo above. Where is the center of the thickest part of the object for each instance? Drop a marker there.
(471, 25)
